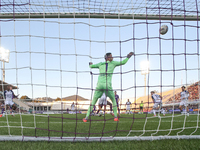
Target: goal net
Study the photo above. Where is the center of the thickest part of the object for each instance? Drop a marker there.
(51, 43)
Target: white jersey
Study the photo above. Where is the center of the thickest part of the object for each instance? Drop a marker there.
(103, 100)
(73, 106)
(157, 100)
(8, 95)
(128, 105)
(184, 95)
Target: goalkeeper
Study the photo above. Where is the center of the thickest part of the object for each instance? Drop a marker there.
(104, 83)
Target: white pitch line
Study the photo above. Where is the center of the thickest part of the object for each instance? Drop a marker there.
(96, 122)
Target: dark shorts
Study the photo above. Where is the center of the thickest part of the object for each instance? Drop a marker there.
(141, 107)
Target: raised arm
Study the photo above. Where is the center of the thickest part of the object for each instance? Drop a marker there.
(94, 66)
(14, 96)
(118, 63)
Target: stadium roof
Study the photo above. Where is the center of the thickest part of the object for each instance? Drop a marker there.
(3, 85)
(74, 98)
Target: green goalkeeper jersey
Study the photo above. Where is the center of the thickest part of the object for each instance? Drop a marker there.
(107, 68)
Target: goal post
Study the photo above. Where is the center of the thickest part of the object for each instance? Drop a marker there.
(51, 43)
(100, 16)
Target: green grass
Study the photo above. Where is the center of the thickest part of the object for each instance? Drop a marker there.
(115, 145)
(56, 126)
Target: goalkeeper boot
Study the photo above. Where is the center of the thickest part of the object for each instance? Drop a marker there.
(84, 120)
(116, 119)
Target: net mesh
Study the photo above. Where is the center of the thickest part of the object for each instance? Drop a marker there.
(51, 44)
(122, 7)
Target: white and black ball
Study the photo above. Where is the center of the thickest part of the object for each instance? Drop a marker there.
(163, 29)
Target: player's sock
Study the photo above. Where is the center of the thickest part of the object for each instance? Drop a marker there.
(118, 111)
(154, 112)
(115, 111)
(97, 111)
(4, 114)
(163, 111)
(89, 111)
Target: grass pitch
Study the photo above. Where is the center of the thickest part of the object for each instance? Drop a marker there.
(68, 125)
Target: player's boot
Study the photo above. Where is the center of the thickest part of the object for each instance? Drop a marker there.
(116, 119)
(112, 114)
(1, 115)
(154, 115)
(84, 120)
(13, 114)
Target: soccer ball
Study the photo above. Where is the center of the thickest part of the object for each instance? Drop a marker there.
(163, 29)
